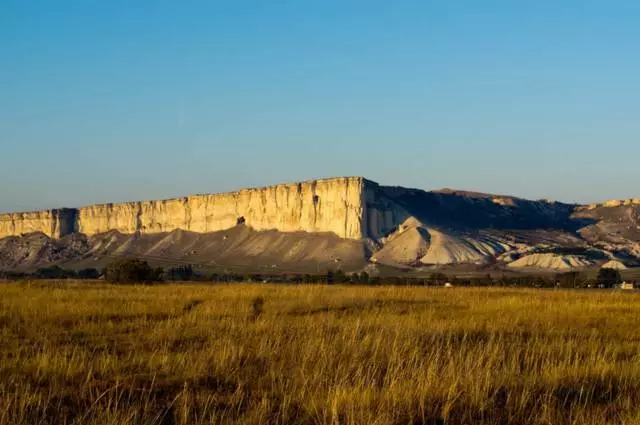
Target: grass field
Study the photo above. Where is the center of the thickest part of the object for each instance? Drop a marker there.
(86, 353)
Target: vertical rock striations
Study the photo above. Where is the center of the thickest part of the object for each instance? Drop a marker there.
(53, 223)
(346, 206)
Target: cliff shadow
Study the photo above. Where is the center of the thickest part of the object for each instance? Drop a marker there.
(480, 211)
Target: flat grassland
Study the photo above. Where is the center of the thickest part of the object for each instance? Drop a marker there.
(87, 353)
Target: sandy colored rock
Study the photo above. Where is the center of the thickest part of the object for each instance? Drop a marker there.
(551, 261)
(613, 264)
(405, 248)
(453, 249)
(53, 223)
(393, 225)
(335, 205)
(332, 205)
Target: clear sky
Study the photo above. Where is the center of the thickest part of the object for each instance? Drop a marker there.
(126, 100)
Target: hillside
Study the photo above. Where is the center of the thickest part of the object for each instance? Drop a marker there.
(345, 222)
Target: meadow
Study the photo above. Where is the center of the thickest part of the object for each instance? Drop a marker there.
(89, 353)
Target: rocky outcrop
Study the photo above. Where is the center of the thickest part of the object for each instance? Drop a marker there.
(552, 261)
(350, 207)
(611, 204)
(53, 223)
(613, 264)
(335, 205)
(322, 220)
(331, 205)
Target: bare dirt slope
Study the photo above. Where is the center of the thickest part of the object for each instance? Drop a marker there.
(552, 261)
(236, 248)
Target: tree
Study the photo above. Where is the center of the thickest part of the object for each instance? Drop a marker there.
(608, 277)
(131, 271)
(374, 280)
(181, 272)
(364, 277)
(340, 277)
(438, 278)
(569, 279)
(330, 277)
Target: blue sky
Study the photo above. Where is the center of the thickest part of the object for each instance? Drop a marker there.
(121, 100)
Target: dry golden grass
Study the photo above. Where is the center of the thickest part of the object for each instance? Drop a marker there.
(74, 353)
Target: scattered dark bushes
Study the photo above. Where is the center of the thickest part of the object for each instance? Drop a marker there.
(181, 273)
(88, 273)
(139, 271)
(55, 272)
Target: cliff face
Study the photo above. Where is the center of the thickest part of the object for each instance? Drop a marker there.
(334, 205)
(349, 207)
(381, 214)
(53, 223)
(317, 223)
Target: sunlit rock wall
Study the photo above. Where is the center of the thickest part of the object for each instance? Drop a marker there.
(53, 223)
(337, 205)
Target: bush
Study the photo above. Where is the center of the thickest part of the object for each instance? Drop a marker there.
(131, 271)
(608, 277)
(181, 273)
(54, 272)
(337, 277)
(8, 275)
(360, 278)
(88, 273)
(570, 280)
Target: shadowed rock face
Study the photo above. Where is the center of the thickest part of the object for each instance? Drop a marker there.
(328, 222)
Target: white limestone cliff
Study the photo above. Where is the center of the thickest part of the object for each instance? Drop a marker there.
(53, 223)
(346, 206)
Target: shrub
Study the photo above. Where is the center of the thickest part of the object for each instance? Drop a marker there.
(181, 273)
(88, 273)
(54, 272)
(569, 280)
(608, 277)
(131, 271)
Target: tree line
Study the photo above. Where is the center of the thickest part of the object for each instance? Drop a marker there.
(140, 271)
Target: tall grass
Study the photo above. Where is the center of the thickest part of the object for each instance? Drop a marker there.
(265, 354)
